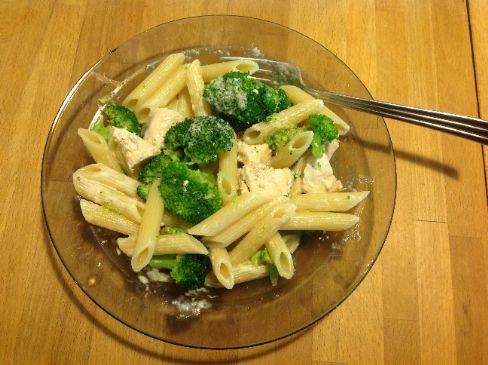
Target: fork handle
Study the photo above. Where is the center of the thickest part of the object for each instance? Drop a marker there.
(459, 125)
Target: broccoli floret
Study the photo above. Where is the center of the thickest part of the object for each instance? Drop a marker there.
(121, 117)
(201, 138)
(100, 128)
(285, 102)
(191, 194)
(150, 172)
(243, 101)
(172, 230)
(274, 275)
(262, 258)
(188, 270)
(324, 131)
(281, 137)
(177, 135)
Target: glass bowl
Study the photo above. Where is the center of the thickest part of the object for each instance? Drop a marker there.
(329, 267)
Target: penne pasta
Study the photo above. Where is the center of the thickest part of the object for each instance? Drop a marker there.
(99, 149)
(210, 72)
(110, 177)
(163, 95)
(171, 220)
(242, 273)
(287, 118)
(297, 171)
(280, 256)
(329, 202)
(222, 267)
(262, 232)
(194, 83)
(297, 95)
(173, 104)
(229, 214)
(320, 221)
(242, 226)
(154, 80)
(184, 104)
(293, 150)
(108, 197)
(166, 244)
(148, 230)
(292, 241)
(106, 218)
(227, 177)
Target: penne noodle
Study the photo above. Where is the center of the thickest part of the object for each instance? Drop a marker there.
(154, 80)
(242, 273)
(173, 104)
(221, 266)
(292, 241)
(175, 83)
(280, 256)
(297, 171)
(105, 218)
(184, 104)
(171, 220)
(329, 202)
(262, 232)
(242, 226)
(287, 118)
(293, 150)
(166, 244)
(148, 230)
(99, 149)
(227, 177)
(297, 95)
(227, 186)
(210, 72)
(320, 221)
(195, 85)
(110, 177)
(108, 197)
(229, 214)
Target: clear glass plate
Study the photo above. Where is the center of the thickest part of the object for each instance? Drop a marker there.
(329, 268)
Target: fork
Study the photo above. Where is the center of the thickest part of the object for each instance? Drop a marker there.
(282, 73)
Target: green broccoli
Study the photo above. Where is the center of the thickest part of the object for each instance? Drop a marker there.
(190, 194)
(172, 230)
(189, 270)
(243, 101)
(202, 138)
(100, 128)
(281, 137)
(177, 135)
(262, 258)
(324, 131)
(150, 172)
(121, 117)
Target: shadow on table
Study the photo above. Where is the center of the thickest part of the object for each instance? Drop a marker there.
(412, 157)
(229, 355)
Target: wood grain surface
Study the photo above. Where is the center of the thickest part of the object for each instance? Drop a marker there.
(425, 300)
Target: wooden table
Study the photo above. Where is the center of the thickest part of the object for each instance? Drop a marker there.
(425, 300)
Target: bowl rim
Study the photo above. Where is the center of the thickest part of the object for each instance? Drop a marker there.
(47, 145)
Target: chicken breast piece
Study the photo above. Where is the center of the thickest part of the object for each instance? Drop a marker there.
(266, 179)
(131, 149)
(253, 154)
(318, 176)
(159, 124)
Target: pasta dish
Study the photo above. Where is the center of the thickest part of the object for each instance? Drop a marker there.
(212, 177)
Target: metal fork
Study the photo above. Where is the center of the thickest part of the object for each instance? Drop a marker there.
(281, 73)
